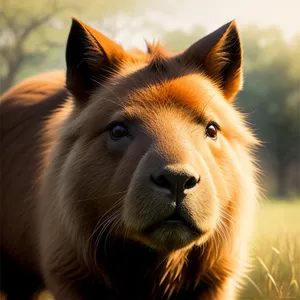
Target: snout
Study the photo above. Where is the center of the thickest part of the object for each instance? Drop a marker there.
(165, 204)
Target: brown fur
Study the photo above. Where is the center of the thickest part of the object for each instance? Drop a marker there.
(76, 205)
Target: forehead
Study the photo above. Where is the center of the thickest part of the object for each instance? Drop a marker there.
(191, 93)
(144, 86)
(192, 90)
(165, 80)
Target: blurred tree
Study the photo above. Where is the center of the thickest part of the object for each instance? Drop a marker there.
(24, 36)
(272, 97)
(33, 33)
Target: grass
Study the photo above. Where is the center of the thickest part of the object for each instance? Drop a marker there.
(275, 252)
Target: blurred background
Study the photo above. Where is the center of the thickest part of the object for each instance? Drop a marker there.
(33, 37)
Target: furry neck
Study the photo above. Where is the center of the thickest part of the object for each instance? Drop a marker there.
(134, 270)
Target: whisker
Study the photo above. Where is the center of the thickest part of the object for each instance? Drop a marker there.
(106, 224)
(112, 227)
(99, 224)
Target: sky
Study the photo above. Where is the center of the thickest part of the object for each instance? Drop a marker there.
(213, 13)
(183, 14)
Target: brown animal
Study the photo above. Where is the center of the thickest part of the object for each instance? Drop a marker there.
(133, 178)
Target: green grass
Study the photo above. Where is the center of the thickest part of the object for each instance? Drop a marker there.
(275, 251)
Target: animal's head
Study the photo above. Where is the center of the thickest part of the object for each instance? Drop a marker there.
(154, 150)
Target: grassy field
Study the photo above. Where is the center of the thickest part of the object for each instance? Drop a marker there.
(275, 250)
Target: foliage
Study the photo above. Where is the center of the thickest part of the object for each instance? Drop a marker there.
(33, 33)
(29, 32)
(272, 97)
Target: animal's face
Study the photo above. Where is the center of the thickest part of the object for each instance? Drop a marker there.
(157, 153)
(172, 197)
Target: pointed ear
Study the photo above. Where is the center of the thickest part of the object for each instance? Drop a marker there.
(219, 55)
(90, 58)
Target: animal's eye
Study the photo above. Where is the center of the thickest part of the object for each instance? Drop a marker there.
(212, 131)
(118, 131)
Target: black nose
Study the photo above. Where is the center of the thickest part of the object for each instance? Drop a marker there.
(176, 181)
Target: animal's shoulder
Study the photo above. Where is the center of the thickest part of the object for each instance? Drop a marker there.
(34, 89)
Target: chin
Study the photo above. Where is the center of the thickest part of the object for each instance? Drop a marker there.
(170, 238)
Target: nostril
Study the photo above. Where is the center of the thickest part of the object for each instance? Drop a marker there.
(191, 182)
(176, 181)
(162, 181)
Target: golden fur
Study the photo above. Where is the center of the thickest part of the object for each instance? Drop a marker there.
(90, 197)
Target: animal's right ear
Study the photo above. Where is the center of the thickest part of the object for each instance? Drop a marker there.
(90, 58)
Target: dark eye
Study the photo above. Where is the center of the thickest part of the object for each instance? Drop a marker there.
(118, 131)
(212, 131)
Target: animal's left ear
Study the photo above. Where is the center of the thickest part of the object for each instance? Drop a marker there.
(219, 55)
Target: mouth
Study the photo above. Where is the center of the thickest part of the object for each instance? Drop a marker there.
(175, 221)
